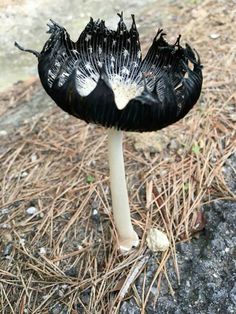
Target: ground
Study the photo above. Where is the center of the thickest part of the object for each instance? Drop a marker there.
(57, 243)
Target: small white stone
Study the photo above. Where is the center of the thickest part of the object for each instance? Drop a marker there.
(159, 190)
(33, 157)
(66, 116)
(24, 174)
(60, 293)
(3, 132)
(32, 210)
(64, 287)
(188, 283)
(22, 241)
(42, 251)
(154, 291)
(226, 250)
(95, 212)
(163, 172)
(5, 210)
(233, 116)
(157, 240)
(5, 226)
(214, 36)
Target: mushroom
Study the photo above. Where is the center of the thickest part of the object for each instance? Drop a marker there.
(102, 78)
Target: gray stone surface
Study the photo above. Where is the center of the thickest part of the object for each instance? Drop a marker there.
(26, 111)
(207, 267)
(229, 171)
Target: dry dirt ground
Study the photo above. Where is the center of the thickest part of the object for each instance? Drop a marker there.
(57, 244)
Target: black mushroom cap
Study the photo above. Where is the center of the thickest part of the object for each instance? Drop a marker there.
(82, 77)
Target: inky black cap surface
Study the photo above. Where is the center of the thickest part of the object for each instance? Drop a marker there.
(93, 78)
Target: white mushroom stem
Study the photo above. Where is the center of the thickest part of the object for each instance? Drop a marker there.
(128, 238)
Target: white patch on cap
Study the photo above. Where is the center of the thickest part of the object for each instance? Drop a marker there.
(123, 90)
(86, 84)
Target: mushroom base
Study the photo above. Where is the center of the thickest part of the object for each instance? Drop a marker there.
(126, 244)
